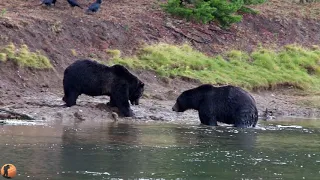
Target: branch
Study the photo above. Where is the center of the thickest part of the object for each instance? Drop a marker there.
(220, 31)
(15, 114)
(206, 41)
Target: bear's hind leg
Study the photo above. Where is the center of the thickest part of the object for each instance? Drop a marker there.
(246, 118)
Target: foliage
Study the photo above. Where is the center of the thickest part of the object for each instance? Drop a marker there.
(23, 57)
(202, 12)
(3, 12)
(74, 52)
(114, 53)
(249, 2)
(3, 57)
(223, 11)
(262, 69)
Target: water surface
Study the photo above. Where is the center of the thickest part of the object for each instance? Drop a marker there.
(287, 149)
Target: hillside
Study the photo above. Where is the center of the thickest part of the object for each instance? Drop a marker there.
(65, 34)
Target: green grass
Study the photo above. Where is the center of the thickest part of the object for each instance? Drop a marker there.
(262, 69)
(114, 53)
(24, 57)
(3, 57)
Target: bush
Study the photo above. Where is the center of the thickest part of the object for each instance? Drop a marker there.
(248, 2)
(201, 12)
(23, 57)
(223, 11)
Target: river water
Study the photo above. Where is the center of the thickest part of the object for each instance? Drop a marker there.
(287, 149)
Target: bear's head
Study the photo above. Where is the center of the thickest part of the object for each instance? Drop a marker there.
(137, 93)
(189, 99)
(181, 104)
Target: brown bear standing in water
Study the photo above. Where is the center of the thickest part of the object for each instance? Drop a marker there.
(95, 79)
(226, 104)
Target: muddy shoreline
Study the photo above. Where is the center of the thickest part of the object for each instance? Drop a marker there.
(156, 104)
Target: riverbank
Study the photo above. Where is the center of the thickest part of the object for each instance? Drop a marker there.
(283, 78)
(46, 104)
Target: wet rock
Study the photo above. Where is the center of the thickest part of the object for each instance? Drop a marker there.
(45, 86)
(78, 116)
(59, 115)
(156, 118)
(270, 114)
(114, 116)
(4, 116)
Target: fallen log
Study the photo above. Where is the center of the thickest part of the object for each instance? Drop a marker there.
(7, 114)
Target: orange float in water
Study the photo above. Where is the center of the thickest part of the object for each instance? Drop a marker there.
(8, 171)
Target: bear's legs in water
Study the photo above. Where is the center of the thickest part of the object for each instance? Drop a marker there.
(245, 118)
(206, 114)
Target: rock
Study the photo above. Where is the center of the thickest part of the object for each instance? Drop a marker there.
(78, 116)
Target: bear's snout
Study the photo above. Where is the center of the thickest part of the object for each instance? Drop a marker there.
(175, 108)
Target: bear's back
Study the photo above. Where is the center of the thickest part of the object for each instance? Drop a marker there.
(85, 65)
(229, 96)
(239, 94)
(123, 73)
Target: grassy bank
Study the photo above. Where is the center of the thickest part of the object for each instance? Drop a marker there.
(22, 56)
(262, 69)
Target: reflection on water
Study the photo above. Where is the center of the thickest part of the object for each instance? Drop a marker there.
(95, 150)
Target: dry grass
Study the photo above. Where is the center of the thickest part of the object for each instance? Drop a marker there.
(289, 9)
(310, 101)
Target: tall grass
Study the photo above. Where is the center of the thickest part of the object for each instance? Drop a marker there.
(24, 57)
(262, 69)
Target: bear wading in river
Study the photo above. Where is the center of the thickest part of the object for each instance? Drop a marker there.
(95, 79)
(226, 104)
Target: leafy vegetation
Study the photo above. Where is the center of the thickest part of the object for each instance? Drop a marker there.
(3, 12)
(23, 57)
(223, 11)
(114, 53)
(262, 69)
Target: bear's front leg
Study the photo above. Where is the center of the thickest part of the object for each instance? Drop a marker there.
(111, 103)
(120, 98)
(206, 115)
(71, 98)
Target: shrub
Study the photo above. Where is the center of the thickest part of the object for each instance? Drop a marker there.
(3, 57)
(23, 57)
(223, 11)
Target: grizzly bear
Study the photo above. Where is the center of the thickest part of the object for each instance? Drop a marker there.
(95, 79)
(226, 104)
